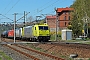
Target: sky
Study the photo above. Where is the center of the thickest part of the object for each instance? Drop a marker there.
(31, 7)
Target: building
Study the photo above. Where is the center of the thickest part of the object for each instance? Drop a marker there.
(63, 18)
(51, 21)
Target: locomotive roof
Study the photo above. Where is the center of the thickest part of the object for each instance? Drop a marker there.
(27, 26)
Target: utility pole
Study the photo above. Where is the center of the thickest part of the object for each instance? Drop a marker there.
(85, 22)
(24, 18)
(56, 23)
(15, 26)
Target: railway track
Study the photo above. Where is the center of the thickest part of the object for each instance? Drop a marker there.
(68, 48)
(22, 52)
(73, 45)
(29, 53)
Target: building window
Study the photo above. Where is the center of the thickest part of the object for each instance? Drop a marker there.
(68, 17)
(64, 17)
(65, 23)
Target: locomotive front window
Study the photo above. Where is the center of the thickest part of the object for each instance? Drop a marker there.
(43, 28)
(40, 27)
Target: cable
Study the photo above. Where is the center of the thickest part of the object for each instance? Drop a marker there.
(9, 10)
(6, 6)
(13, 6)
(23, 16)
(6, 17)
(47, 6)
(40, 7)
(45, 3)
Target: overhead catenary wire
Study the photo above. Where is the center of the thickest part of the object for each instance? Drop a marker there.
(6, 6)
(6, 17)
(47, 7)
(36, 9)
(45, 4)
(23, 16)
(12, 7)
(9, 10)
(41, 6)
(39, 11)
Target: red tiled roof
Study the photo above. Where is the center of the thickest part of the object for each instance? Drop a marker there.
(64, 9)
(53, 16)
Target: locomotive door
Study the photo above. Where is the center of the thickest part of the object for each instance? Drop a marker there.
(35, 31)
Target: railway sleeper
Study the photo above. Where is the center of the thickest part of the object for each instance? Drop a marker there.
(23, 53)
(54, 57)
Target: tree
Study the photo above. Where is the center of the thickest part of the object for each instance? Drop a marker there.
(30, 18)
(76, 25)
(81, 8)
(42, 21)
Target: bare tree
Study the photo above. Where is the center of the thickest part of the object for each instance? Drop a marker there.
(29, 19)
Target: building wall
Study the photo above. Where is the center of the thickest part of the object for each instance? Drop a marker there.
(64, 19)
(51, 22)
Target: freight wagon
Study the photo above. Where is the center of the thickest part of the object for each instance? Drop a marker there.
(10, 33)
(18, 33)
(4, 34)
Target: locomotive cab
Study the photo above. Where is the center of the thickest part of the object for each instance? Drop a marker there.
(41, 32)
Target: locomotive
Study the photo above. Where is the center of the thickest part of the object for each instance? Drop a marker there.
(38, 32)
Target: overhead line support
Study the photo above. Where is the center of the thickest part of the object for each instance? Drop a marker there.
(15, 26)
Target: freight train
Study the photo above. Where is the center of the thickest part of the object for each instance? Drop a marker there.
(38, 32)
(4, 34)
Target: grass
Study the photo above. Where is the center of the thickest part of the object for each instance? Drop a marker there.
(87, 43)
(3, 56)
(82, 41)
(36, 48)
(71, 40)
(53, 37)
